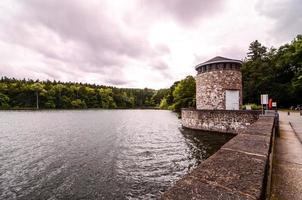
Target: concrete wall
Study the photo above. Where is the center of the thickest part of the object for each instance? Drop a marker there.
(237, 171)
(227, 121)
(211, 86)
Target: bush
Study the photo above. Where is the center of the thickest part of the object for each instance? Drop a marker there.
(253, 106)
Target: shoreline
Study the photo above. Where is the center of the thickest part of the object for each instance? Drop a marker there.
(60, 109)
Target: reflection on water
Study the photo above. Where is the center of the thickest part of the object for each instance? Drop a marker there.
(97, 154)
(203, 144)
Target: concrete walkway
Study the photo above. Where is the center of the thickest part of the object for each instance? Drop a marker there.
(287, 165)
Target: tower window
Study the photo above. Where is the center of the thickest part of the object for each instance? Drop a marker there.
(228, 66)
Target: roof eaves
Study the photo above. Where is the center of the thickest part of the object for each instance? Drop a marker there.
(218, 61)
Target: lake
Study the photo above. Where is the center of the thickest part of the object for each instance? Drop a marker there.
(97, 154)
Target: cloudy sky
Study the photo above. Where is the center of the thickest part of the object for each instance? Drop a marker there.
(135, 43)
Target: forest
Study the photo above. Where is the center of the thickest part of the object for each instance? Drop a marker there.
(29, 94)
(277, 72)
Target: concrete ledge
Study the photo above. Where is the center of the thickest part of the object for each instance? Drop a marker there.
(237, 171)
(249, 144)
(226, 121)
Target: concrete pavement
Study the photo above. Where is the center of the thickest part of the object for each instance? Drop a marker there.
(287, 164)
(296, 124)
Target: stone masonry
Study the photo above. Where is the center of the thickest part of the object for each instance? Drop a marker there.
(211, 87)
(218, 85)
(226, 121)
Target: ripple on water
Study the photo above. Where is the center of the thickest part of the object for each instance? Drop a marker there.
(97, 154)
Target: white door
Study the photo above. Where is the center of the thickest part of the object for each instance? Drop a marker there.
(232, 99)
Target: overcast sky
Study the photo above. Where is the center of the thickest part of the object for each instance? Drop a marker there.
(135, 43)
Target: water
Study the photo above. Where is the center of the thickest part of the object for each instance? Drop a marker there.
(97, 154)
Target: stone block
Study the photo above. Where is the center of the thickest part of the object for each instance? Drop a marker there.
(193, 188)
(252, 144)
(257, 131)
(239, 172)
(225, 175)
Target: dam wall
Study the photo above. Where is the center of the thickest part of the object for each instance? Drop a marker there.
(239, 170)
(226, 121)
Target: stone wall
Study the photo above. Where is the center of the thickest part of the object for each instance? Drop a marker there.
(237, 171)
(211, 86)
(227, 121)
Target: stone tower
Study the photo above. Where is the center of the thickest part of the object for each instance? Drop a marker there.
(219, 84)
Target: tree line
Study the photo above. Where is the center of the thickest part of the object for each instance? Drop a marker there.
(29, 94)
(277, 72)
(19, 94)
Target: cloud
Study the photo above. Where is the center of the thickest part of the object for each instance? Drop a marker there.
(78, 37)
(117, 82)
(184, 11)
(159, 65)
(136, 43)
(162, 67)
(286, 15)
(89, 28)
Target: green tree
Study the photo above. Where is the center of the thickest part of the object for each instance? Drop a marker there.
(106, 98)
(58, 88)
(50, 104)
(78, 103)
(256, 51)
(184, 94)
(4, 101)
(37, 88)
(159, 95)
(275, 72)
(164, 104)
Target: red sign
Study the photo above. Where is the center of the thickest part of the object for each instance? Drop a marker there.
(270, 104)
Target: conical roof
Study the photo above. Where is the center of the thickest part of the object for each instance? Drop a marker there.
(218, 59)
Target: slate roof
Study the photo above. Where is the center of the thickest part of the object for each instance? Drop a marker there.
(218, 59)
